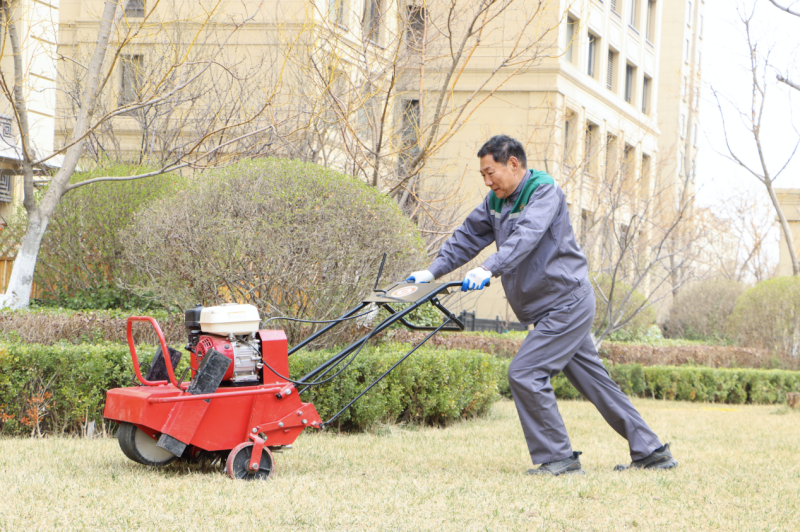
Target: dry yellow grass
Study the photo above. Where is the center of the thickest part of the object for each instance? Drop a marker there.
(739, 470)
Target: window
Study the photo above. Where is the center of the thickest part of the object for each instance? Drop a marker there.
(612, 163)
(684, 85)
(409, 134)
(134, 8)
(644, 176)
(629, 79)
(700, 30)
(694, 135)
(683, 126)
(336, 12)
(634, 14)
(586, 225)
(569, 135)
(415, 29)
(646, 95)
(372, 20)
(6, 180)
(610, 70)
(6, 129)
(614, 7)
(651, 30)
(131, 78)
(629, 165)
(590, 150)
(689, 13)
(592, 53)
(686, 53)
(680, 163)
(570, 38)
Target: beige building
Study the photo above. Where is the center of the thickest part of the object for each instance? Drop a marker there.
(789, 199)
(37, 27)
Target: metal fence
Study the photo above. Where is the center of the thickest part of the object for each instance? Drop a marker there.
(471, 323)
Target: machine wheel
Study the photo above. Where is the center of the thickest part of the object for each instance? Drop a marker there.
(140, 447)
(238, 464)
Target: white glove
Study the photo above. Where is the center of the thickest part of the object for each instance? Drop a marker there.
(423, 276)
(476, 279)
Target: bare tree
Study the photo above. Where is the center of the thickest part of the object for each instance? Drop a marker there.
(163, 100)
(753, 122)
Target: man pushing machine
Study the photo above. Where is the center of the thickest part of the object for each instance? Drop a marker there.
(545, 278)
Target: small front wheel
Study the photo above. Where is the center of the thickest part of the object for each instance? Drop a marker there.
(238, 464)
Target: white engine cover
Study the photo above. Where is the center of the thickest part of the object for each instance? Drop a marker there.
(229, 318)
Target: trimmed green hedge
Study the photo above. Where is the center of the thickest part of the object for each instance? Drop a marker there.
(433, 386)
(65, 384)
(686, 383)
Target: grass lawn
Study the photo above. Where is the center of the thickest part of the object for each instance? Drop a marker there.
(739, 470)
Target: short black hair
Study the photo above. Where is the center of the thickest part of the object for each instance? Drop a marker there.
(502, 148)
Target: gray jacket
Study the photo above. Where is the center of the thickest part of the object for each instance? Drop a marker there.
(541, 264)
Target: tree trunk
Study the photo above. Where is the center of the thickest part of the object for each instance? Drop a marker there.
(18, 293)
(787, 230)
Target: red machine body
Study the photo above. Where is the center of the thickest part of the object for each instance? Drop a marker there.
(223, 420)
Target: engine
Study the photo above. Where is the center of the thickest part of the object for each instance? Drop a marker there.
(230, 329)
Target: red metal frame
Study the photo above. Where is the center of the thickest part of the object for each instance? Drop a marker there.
(164, 351)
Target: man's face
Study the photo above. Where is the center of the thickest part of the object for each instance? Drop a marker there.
(503, 179)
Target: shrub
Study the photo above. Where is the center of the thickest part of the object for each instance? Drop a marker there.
(80, 263)
(687, 383)
(701, 310)
(637, 321)
(58, 388)
(295, 239)
(768, 316)
(431, 386)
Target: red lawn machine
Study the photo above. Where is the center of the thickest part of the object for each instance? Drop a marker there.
(240, 401)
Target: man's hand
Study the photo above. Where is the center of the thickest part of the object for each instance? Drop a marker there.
(423, 276)
(476, 279)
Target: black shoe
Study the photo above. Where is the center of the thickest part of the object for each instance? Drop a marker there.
(569, 466)
(661, 458)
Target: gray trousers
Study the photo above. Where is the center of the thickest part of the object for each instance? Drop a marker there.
(561, 341)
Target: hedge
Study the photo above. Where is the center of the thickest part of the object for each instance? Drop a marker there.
(432, 386)
(56, 388)
(686, 383)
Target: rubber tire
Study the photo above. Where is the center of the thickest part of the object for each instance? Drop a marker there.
(237, 465)
(141, 448)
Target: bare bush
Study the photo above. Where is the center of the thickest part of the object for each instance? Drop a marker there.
(701, 310)
(292, 238)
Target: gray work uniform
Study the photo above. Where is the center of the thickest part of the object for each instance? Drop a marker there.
(545, 278)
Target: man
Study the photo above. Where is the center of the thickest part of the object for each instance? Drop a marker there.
(545, 278)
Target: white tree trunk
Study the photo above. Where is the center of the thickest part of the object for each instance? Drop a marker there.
(18, 293)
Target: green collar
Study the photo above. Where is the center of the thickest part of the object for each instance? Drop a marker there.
(536, 178)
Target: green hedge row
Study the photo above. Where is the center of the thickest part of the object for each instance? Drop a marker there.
(687, 383)
(56, 388)
(432, 386)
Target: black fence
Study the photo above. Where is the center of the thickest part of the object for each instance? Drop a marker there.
(471, 323)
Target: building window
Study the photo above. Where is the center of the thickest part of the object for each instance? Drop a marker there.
(694, 135)
(409, 135)
(686, 54)
(700, 30)
(6, 129)
(570, 38)
(6, 181)
(634, 14)
(134, 9)
(689, 13)
(683, 126)
(684, 85)
(592, 54)
(415, 29)
(646, 95)
(651, 30)
(610, 70)
(590, 145)
(614, 7)
(569, 133)
(336, 12)
(630, 77)
(680, 163)
(612, 163)
(131, 78)
(372, 20)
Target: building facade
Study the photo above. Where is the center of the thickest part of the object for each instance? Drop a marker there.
(37, 29)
